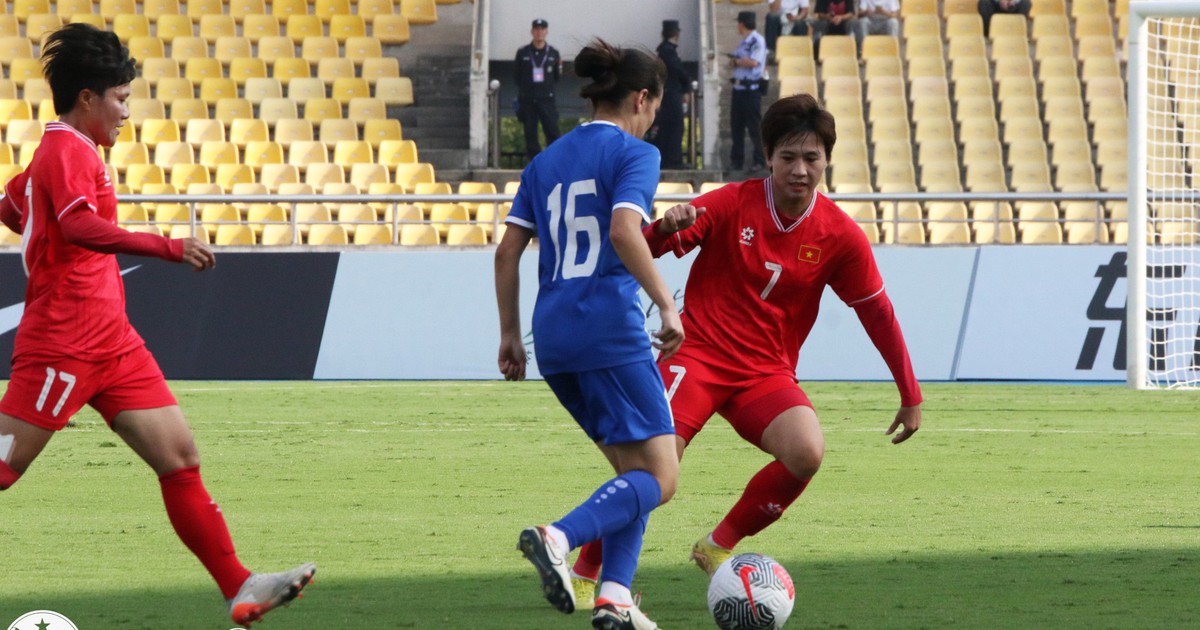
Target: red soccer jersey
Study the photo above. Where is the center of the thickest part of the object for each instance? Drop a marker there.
(74, 299)
(755, 287)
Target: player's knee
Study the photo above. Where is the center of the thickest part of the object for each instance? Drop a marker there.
(8, 476)
(805, 460)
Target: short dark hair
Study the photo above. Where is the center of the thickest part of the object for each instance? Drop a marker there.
(794, 116)
(81, 57)
(616, 72)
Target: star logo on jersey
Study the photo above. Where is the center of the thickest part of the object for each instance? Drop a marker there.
(747, 236)
(809, 254)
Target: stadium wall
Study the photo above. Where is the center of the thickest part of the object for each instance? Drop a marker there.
(969, 313)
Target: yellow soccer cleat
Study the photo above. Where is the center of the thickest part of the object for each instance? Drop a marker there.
(709, 556)
(585, 591)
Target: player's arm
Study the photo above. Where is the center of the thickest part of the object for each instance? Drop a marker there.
(879, 320)
(628, 240)
(9, 215)
(512, 358)
(660, 234)
(85, 229)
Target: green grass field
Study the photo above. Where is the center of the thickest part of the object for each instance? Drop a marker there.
(1033, 506)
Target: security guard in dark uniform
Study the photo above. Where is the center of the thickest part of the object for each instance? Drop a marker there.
(668, 126)
(749, 61)
(538, 67)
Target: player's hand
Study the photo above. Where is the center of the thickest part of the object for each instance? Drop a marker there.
(198, 255)
(910, 419)
(512, 358)
(670, 336)
(679, 217)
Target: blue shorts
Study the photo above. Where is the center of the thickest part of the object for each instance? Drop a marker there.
(626, 403)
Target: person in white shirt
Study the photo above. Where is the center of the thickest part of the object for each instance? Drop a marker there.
(785, 17)
(878, 17)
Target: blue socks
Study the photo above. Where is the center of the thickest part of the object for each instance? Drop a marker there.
(615, 505)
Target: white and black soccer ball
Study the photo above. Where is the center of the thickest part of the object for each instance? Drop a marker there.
(750, 591)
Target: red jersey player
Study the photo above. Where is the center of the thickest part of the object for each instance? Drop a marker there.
(75, 345)
(769, 247)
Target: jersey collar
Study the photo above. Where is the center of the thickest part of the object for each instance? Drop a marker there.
(775, 213)
(58, 125)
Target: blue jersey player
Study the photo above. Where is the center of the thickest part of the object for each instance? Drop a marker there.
(585, 198)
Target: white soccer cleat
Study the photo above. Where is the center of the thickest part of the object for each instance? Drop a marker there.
(551, 565)
(263, 592)
(608, 615)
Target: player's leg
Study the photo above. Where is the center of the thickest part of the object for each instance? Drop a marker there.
(778, 418)
(20, 444)
(140, 408)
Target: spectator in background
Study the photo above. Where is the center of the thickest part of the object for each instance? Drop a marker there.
(748, 61)
(878, 17)
(832, 17)
(784, 17)
(668, 126)
(537, 71)
(988, 8)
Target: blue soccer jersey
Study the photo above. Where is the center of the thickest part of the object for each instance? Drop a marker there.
(587, 315)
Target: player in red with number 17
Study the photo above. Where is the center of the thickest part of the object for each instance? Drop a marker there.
(75, 345)
(769, 247)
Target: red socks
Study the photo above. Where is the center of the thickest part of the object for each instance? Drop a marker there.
(587, 565)
(199, 524)
(8, 476)
(768, 494)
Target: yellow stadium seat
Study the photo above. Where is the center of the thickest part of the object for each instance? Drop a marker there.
(461, 235)
(301, 26)
(156, 130)
(360, 48)
(21, 131)
(289, 130)
(1023, 128)
(215, 26)
(837, 46)
(214, 153)
(302, 154)
(443, 215)
(362, 175)
(183, 175)
(327, 9)
(395, 152)
(35, 90)
(390, 28)
(326, 234)
(260, 215)
(412, 235)
(277, 235)
(788, 86)
(38, 25)
(214, 89)
(138, 175)
(1066, 129)
(346, 25)
(146, 46)
(335, 130)
(880, 46)
(259, 26)
(345, 88)
(243, 131)
(275, 175)
(153, 9)
(230, 175)
(306, 88)
(289, 69)
(234, 235)
(155, 68)
(926, 67)
(272, 48)
(975, 107)
(319, 174)
(318, 109)
(395, 90)
(1093, 26)
(941, 176)
(243, 69)
(350, 152)
(230, 47)
(360, 110)
(200, 232)
(168, 154)
(185, 48)
(376, 68)
(419, 11)
(986, 177)
(934, 129)
(1075, 177)
(170, 27)
(272, 110)
(123, 154)
(142, 108)
(315, 49)
(409, 174)
(1044, 233)
(128, 25)
(171, 89)
(373, 234)
(200, 130)
(1030, 177)
(377, 130)
(239, 9)
(1049, 26)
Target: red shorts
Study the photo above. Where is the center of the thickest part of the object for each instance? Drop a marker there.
(698, 389)
(47, 391)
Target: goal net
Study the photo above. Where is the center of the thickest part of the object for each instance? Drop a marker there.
(1164, 194)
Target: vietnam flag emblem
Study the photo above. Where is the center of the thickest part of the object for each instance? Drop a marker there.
(809, 254)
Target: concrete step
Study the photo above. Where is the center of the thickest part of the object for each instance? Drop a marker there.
(445, 161)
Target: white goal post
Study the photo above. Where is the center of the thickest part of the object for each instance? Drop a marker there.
(1163, 306)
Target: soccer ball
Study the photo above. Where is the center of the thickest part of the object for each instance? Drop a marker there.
(750, 591)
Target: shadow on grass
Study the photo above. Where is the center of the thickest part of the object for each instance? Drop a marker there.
(1119, 589)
